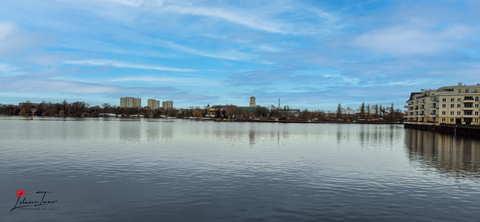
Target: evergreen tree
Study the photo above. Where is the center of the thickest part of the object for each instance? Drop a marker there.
(381, 110)
(362, 110)
(339, 111)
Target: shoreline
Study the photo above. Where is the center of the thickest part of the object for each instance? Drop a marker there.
(213, 120)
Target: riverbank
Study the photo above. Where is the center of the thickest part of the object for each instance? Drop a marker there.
(458, 130)
(212, 119)
(306, 121)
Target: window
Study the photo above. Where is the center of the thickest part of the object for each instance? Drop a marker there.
(459, 90)
(459, 99)
(443, 113)
(452, 113)
(472, 90)
(467, 113)
(476, 105)
(452, 99)
(476, 98)
(443, 120)
(476, 113)
(467, 90)
(468, 105)
(459, 113)
(452, 105)
(452, 120)
(459, 105)
(444, 105)
(444, 99)
(476, 120)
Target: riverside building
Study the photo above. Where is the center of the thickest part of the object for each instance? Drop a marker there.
(446, 105)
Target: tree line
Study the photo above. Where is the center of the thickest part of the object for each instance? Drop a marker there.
(369, 111)
(82, 109)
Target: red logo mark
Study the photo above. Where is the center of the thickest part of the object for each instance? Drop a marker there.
(20, 193)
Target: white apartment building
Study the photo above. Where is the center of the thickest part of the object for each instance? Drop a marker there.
(167, 104)
(446, 105)
(153, 104)
(130, 102)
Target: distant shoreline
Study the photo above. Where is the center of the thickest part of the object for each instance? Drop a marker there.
(214, 120)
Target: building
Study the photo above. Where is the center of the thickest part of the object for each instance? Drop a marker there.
(137, 102)
(123, 102)
(167, 104)
(290, 112)
(252, 101)
(446, 105)
(130, 102)
(212, 111)
(153, 104)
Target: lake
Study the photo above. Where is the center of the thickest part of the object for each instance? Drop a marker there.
(156, 170)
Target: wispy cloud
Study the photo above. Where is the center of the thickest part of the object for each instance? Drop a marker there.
(190, 8)
(13, 40)
(411, 38)
(125, 65)
(167, 80)
(229, 55)
(9, 70)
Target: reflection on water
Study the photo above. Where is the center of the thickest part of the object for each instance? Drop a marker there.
(447, 153)
(155, 170)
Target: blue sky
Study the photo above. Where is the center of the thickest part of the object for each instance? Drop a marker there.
(311, 54)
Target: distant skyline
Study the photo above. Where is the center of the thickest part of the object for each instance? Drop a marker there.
(311, 54)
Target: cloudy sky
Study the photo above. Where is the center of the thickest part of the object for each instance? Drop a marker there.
(311, 54)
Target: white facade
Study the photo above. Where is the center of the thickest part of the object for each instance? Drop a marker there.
(167, 104)
(458, 104)
(153, 104)
(130, 102)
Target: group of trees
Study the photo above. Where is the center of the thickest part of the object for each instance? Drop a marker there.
(79, 108)
(369, 111)
(76, 109)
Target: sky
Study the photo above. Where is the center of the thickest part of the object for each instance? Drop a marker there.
(310, 54)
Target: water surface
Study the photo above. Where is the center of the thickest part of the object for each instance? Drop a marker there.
(154, 170)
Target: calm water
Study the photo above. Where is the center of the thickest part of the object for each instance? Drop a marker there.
(152, 170)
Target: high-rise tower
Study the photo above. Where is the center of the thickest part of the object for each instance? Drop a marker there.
(252, 101)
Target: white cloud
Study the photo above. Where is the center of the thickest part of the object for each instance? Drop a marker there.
(411, 39)
(229, 55)
(245, 18)
(262, 16)
(13, 40)
(125, 65)
(405, 83)
(9, 70)
(167, 80)
(6, 29)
